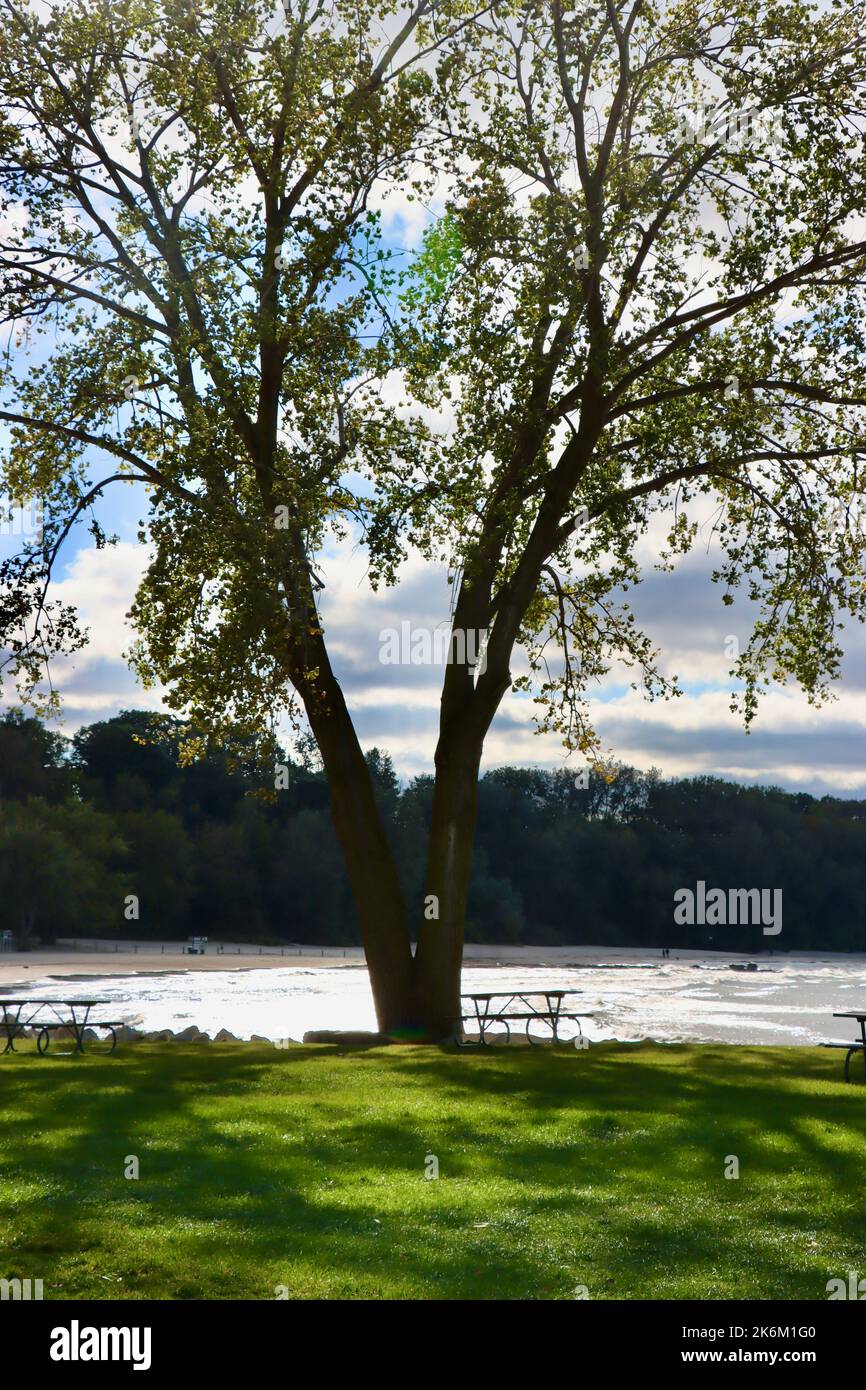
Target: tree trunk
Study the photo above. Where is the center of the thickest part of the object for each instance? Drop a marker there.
(27, 921)
(369, 862)
(416, 999)
(449, 862)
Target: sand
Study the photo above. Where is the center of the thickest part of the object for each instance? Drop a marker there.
(87, 960)
(155, 958)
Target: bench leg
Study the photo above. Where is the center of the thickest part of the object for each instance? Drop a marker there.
(539, 1042)
(13, 1028)
(489, 1022)
(483, 1026)
(462, 1038)
(852, 1052)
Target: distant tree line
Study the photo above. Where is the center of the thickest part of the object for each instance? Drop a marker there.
(108, 835)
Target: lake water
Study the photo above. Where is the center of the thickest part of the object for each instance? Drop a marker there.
(787, 1001)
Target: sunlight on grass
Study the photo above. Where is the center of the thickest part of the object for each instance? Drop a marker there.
(304, 1168)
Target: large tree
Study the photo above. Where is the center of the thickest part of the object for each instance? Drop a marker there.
(644, 293)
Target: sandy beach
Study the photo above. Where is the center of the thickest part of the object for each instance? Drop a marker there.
(95, 960)
(85, 960)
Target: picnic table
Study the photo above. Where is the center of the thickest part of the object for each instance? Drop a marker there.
(504, 1007)
(13, 1024)
(855, 1046)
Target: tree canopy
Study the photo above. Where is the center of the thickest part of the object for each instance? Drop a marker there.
(641, 294)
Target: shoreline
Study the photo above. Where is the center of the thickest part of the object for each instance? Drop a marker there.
(59, 963)
(142, 959)
(627, 993)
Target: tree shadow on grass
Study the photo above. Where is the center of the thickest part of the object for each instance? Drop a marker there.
(306, 1168)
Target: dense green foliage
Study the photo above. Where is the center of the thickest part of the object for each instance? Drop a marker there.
(212, 847)
(627, 331)
(304, 1171)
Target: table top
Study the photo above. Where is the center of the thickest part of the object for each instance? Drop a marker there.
(67, 1003)
(523, 993)
(856, 1013)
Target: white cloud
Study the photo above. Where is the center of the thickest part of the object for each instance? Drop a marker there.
(96, 682)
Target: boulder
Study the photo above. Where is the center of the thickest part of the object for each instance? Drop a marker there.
(347, 1038)
(127, 1034)
(191, 1034)
(225, 1036)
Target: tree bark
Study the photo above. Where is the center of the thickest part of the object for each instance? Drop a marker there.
(439, 956)
(369, 861)
(417, 998)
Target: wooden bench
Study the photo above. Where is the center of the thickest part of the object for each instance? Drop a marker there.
(486, 1013)
(552, 1020)
(16, 1015)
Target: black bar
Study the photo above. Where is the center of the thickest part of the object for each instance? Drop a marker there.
(612, 1337)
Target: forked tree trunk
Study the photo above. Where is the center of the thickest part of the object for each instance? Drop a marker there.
(416, 999)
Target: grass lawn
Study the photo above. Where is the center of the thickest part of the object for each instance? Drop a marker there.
(305, 1168)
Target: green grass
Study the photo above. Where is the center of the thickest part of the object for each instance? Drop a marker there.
(305, 1168)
